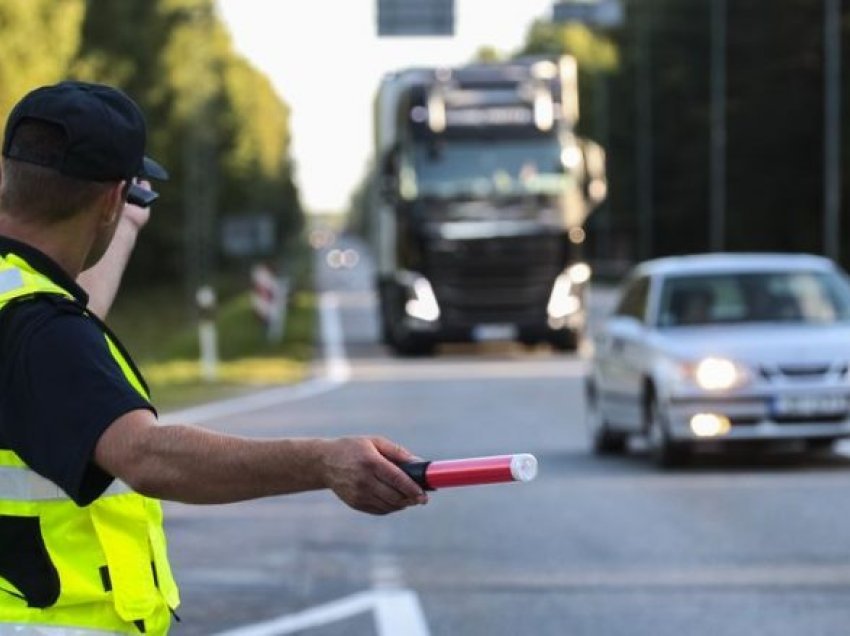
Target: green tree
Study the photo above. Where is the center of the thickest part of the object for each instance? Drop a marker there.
(774, 121)
(215, 122)
(596, 55)
(488, 54)
(40, 38)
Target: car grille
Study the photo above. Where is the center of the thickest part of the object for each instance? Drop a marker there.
(804, 371)
(811, 419)
(801, 371)
(496, 280)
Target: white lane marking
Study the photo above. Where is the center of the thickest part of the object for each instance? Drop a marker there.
(397, 613)
(336, 372)
(313, 617)
(336, 364)
(397, 610)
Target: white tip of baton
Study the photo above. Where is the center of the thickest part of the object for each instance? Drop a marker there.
(523, 467)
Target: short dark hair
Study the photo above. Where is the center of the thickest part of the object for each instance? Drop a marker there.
(43, 194)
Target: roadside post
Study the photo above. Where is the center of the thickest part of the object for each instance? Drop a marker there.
(268, 298)
(207, 333)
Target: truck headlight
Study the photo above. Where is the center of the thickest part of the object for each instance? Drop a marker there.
(563, 302)
(579, 273)
(719, 374)
(421, 302)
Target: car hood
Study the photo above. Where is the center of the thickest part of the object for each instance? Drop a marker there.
(759, 344)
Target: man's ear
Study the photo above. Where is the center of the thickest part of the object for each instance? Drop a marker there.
(114, 199)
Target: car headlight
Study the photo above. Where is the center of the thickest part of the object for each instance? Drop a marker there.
(718, 374)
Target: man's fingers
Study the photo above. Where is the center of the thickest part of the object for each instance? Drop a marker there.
(365, 474)
(396, 479)
(391, 495)
(392, 475)
(392, 451)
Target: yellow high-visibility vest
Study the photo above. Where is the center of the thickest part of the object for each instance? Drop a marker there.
(66, 569)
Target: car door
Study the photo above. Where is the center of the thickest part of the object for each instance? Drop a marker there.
(620, 353)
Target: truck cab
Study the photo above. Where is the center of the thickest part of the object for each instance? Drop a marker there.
(482, 189)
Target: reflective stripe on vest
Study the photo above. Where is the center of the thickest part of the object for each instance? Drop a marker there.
(10, 280)
(46, 630)
(22, 484)
(71, 570)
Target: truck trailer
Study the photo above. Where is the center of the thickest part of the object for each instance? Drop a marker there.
(479, 196)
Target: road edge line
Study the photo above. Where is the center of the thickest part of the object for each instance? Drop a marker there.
(336, 371)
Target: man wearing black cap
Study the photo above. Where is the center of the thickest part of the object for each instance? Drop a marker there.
(82, 457)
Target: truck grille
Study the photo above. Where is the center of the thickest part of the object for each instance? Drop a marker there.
(495, 280)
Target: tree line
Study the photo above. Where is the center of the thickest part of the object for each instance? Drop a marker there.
(214, 120)
(774, 112)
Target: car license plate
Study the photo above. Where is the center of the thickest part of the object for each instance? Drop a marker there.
(809, 405)
(494, 332)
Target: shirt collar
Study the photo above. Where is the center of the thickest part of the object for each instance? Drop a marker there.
(44, 265)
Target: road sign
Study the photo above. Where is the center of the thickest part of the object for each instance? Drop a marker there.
(597, 13)
(416, 17)
(248, 235)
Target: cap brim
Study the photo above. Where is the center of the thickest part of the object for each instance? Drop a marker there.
(152, 170)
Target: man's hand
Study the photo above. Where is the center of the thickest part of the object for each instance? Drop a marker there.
(362, 471)
(135, 215)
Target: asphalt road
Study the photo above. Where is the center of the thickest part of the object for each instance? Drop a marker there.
(593, 547)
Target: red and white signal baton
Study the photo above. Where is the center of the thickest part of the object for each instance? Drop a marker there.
(473, 471)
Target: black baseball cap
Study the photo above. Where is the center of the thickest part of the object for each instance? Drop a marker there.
(105, 132)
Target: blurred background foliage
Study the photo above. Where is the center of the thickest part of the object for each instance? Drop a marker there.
(774, 125)
(223, 132)
(206, 105)
(217, 125)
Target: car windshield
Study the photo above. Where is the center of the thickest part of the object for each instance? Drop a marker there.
(805, 297)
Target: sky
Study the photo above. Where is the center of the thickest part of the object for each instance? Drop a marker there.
(325, 60)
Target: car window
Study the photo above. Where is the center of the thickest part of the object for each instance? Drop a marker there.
(633, 301)
(777, 296)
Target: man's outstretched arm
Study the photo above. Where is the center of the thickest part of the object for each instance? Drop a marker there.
(195, 465)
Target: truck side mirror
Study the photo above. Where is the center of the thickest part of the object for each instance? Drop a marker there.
(388, 183)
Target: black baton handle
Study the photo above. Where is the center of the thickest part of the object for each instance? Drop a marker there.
(417, 471)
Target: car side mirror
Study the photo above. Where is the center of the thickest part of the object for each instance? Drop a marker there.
(625, 326)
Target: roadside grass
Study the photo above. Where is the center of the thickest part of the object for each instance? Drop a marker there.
(160, 331)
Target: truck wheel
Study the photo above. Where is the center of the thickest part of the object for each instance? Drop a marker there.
(410, 346)
(404, 343)
(384, 324)
(566, 341)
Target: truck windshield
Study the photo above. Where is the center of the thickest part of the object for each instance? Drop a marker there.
(448, 168)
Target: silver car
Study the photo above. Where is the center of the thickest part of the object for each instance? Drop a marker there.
(723, 348)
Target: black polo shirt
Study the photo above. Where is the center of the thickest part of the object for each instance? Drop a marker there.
(60, 387)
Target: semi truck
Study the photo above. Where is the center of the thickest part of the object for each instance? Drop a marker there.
(480, 192)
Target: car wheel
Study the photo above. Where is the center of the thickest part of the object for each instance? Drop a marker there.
(603, 441)
(664, 451)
